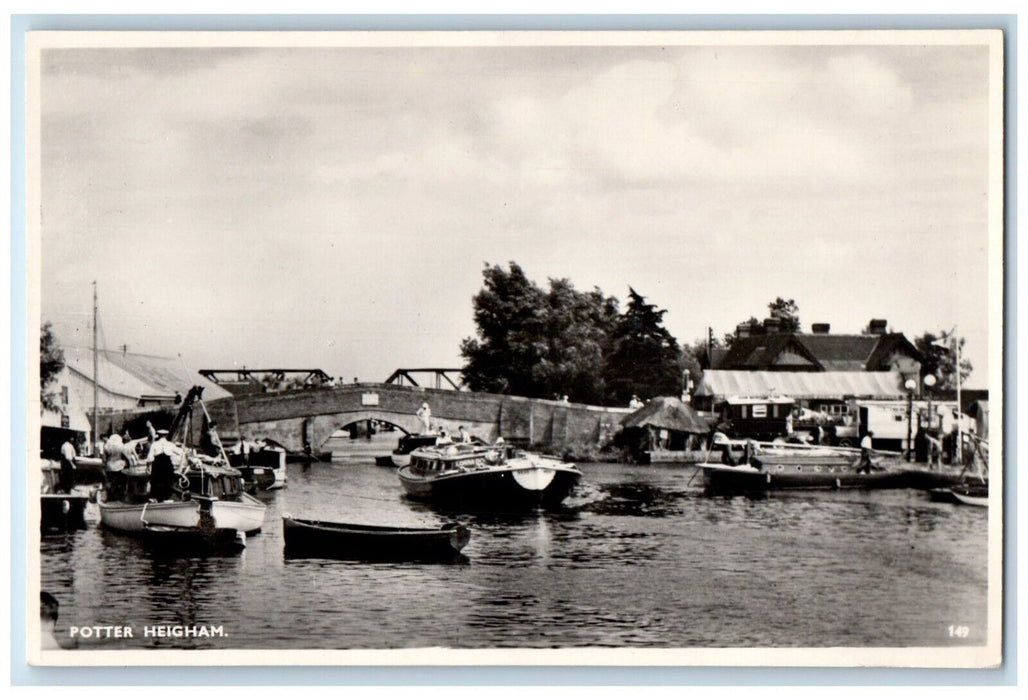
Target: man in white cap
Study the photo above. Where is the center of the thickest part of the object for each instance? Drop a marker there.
(162, 466)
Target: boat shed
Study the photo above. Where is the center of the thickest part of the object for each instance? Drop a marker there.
(717, 385)
(664, 423)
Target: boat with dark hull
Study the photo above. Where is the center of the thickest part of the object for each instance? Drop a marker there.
(263, 469)
(400, 457)
(60, 511)
(328, 540)
(486, 478)
(766, 466)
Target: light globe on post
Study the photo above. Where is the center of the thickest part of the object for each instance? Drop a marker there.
(929, 381)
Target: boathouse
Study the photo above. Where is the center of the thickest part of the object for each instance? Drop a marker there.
(125, 381)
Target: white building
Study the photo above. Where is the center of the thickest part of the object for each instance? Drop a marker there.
(125, 380)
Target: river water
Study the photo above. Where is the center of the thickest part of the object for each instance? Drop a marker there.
(638, 556)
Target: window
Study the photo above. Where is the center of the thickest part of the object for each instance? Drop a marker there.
(64, 395)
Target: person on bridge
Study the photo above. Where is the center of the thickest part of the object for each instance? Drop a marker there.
(425, 415)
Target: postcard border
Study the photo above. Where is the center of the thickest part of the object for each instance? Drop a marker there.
(24, 23)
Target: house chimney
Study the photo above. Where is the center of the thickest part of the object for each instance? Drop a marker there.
(742, 330)
(771, 325)
(821, 328)
(878, 326)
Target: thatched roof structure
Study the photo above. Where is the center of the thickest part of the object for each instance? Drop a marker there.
(667, 413)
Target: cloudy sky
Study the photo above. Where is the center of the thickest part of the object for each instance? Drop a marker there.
(334, 207)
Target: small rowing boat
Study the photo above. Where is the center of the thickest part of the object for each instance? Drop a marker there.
(317, 538)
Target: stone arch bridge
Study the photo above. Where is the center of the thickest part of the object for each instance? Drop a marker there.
(311, 416)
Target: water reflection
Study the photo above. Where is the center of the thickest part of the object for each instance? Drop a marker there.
(636, 556)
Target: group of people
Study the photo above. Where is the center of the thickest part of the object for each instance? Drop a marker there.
(118, 454)
(424, 414)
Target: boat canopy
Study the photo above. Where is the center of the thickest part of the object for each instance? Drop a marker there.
(721, 384)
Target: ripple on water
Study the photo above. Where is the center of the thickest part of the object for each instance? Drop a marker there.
(637, 556)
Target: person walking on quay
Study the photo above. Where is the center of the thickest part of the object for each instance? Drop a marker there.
(866, 451)
(162, 466)
(66, 480)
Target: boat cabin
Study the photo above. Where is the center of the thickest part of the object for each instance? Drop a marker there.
(458, 457)
(133, 485)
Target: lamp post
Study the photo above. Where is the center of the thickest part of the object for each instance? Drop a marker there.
(910, 385)
(929, 382)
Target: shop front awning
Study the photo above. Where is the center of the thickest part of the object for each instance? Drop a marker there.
(721, 384)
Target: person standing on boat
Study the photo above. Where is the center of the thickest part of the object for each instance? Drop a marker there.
(162, 466)
(463, 435)
(425, 415)
(866, 450)
(67, 477)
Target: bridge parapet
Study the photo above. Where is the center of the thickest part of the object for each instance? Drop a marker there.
(311, 416)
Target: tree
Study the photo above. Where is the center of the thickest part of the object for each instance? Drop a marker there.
(579, 326)
(542, 344)
(940, 360)
(510, 313)
(51, 363)
(645, 358)
(787, 313)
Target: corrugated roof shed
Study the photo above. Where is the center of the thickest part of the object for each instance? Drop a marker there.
(721, 384)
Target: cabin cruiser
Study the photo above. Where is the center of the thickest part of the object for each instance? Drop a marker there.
(465, 474)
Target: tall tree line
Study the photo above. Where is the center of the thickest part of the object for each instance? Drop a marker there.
(560, 341)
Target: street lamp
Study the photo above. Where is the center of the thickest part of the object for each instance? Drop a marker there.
(910, 385)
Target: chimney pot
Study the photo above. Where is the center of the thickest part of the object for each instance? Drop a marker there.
(878, 326)
(771, 325)
(823, 328)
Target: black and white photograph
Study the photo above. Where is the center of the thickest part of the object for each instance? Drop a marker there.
(596, 348)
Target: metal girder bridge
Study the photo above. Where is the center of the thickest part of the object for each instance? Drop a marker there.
(307, 377)
(440, 374)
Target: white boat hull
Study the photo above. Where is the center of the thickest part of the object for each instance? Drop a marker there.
(980, 501)
(245, 515)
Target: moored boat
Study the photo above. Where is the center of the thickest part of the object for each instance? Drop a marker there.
(329, 540)
(263, 469)
(971, 494)
(60, 511)
(193, 540)
(196, 491)
(400, 457)
(772, 466)
(484, 477)
(200, 486)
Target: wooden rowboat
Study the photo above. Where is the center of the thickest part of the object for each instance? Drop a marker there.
(316, 538)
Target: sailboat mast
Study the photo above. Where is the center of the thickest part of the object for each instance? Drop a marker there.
(96, 370)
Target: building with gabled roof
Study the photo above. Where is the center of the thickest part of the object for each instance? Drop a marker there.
(124, 381)
(767, 349)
